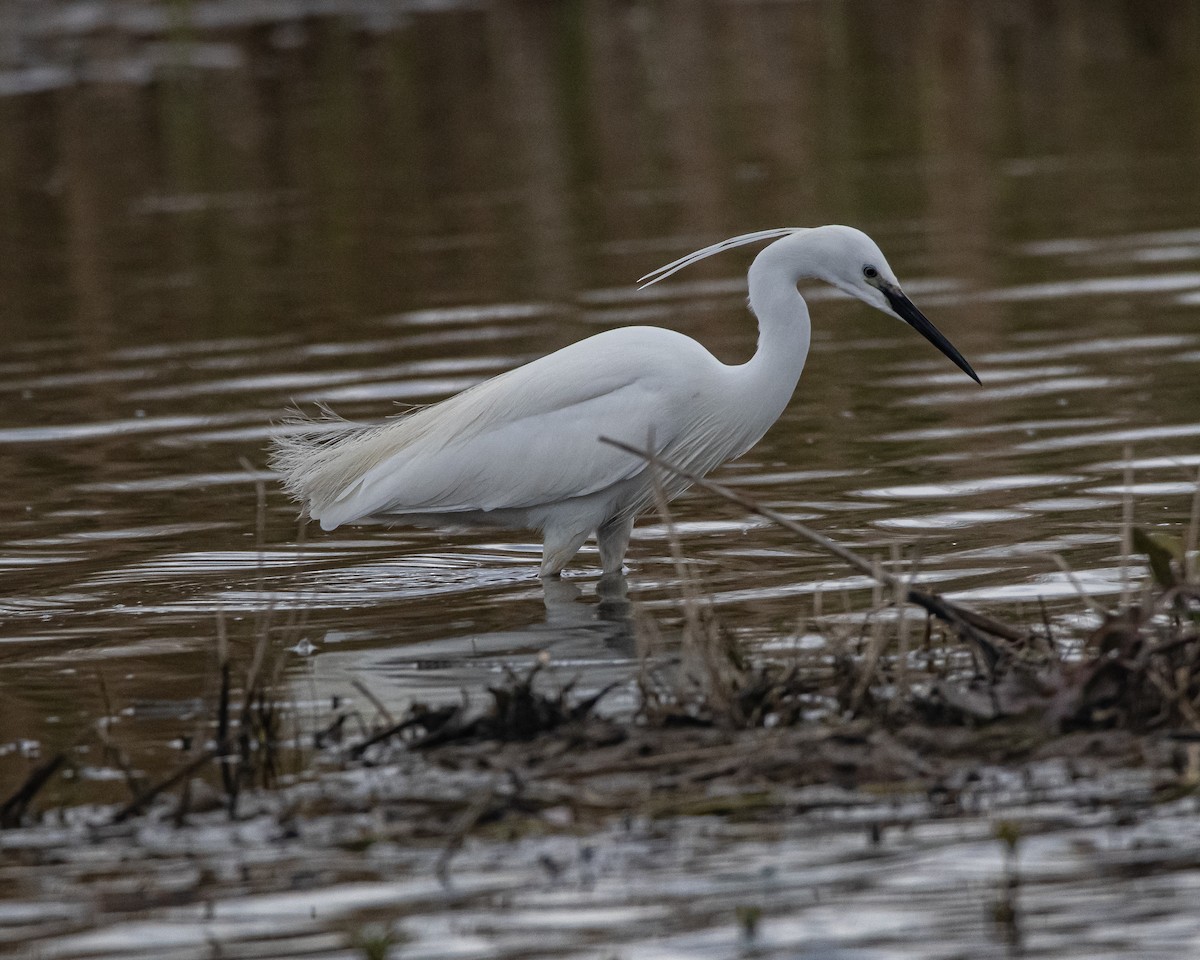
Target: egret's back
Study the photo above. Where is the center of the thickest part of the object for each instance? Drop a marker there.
(524, 439)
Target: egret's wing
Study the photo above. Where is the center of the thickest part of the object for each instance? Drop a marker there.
(540, 459)
(526, 438)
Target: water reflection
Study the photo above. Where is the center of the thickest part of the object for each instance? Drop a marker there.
(586, 636)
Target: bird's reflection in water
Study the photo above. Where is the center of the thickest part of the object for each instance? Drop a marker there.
(583, 634)
(607, 623)
(615, 608)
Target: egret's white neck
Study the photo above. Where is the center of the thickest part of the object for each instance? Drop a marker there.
(769, 378)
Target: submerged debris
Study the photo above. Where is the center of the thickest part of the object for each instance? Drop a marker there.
(518, 711)
(1139, 671)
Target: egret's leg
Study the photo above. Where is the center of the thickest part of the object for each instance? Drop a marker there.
(559, 547)
(613, 538)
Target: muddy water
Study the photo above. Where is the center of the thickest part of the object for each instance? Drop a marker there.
(205, 227)
(209, 216)
(1093, 874)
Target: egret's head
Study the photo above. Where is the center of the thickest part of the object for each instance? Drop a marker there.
(842, 256)
(852, 262)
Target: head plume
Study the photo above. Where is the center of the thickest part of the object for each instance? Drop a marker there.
(675, 266)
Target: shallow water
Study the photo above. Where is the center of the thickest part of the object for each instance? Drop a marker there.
(205, 221)
(180, 277)
(1097, 871)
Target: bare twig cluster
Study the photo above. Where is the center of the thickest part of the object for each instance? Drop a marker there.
(1139, 670)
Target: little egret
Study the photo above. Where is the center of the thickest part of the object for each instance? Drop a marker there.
(522, 450)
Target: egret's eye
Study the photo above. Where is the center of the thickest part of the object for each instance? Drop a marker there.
(870, 272)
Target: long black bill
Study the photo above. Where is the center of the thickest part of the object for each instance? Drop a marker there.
(907, 312)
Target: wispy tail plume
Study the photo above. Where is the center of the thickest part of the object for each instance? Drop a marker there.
(306, 452)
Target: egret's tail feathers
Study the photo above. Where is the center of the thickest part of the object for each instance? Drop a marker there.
(676, 265)
(319, 458)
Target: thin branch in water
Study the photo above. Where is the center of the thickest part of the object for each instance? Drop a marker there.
(1127, 531)
(870, 660)
(1046, 624)
(689, 594)
(900, 592)
(13, 809)
(1191, 559)
(375, 701)
(972, 625)
(112, 752)
(468, 821)
(228, 776)
(138, 803)
(1092, 604)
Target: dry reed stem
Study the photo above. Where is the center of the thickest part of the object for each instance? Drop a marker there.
(1053, 647)
(1187, 709)
(689, 593)
(14, 807)
(1191, 559)
(900, 592)
(1090, 602)
(467, 822)
(870, 660)
(702, 643)
(224, 671)
(113, 753)
(260, 526)
(139, 802)
(375, 701)
(1127, 531)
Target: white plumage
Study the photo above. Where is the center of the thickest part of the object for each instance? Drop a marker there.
(522, 450)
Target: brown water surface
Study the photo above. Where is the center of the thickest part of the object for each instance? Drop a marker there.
(205, 225)
(209, 214)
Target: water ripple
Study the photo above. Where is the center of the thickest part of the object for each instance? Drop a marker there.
(964, 488)
(167, 484)
(1016, 391)
(950, 520)
(1021, 426)
(1082, 348)
(1128, 436)
(1093, 286)
(114, 428)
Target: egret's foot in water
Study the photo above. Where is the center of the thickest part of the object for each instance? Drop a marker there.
(558, 592)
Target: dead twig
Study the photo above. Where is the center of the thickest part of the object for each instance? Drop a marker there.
(973, 626)
(138, 803)
(430, 720)
(375, 701)
(13, 809)
(224, 668)
(114, 753)
(470, 819)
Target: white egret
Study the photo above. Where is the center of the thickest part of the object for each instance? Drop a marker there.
(522, 450)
